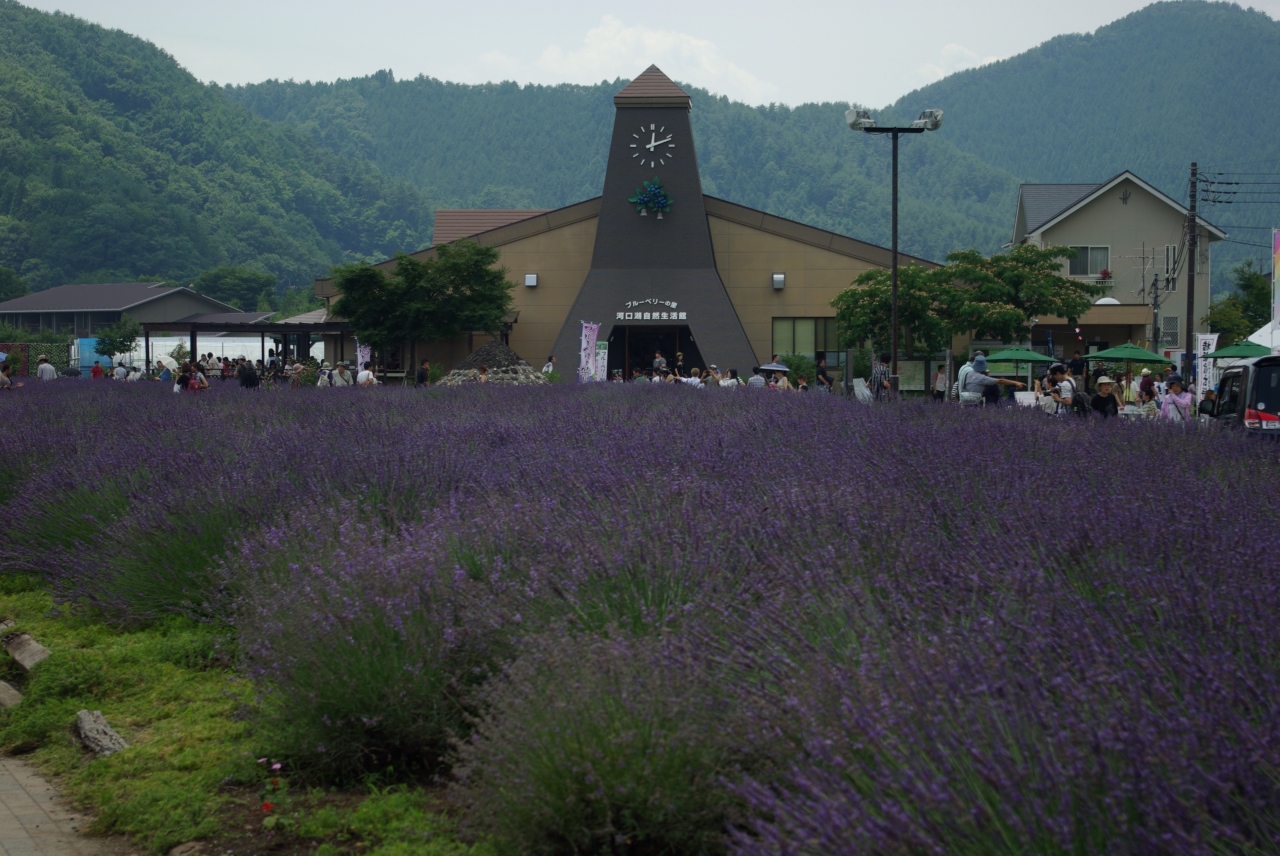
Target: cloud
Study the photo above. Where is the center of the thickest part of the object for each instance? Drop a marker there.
(614, 49)
(952, 59)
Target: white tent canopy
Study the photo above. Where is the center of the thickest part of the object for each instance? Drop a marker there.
(1268, 336)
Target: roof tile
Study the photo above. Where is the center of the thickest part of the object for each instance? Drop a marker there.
(453, 224)
(652, 89)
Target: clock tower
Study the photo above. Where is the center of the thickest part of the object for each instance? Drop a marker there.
(652, 268)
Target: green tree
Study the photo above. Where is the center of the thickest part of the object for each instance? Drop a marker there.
(997, 296)
(11, 285)
(120, 338)
(244, 288)
(456, 292)
(1245, 308)
(297, 300)
(864, 310)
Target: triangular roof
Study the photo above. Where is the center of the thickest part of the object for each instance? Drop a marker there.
(1042, 202)
(453, 224)
(1043, 196)
(101, 297)
(652, 89)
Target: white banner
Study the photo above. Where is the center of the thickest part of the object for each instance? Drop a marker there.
(602, 361)
(1206, 343)
(587, 351)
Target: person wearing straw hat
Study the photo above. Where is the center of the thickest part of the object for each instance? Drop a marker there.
(1104, 399)
(45, 370)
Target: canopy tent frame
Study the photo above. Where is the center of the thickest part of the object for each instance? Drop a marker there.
(260, 328)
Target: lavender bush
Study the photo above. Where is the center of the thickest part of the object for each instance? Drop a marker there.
(931, 630)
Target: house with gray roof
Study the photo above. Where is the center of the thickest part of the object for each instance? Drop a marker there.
(83, 310)
(1131, 237)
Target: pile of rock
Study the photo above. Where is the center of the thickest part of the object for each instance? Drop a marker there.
(505, 367)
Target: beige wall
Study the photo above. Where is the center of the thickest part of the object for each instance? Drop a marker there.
(1145, 221)
(747, 258)
(560, 257)
(746, 254)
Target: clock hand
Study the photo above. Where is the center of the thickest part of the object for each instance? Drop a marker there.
(654, 142)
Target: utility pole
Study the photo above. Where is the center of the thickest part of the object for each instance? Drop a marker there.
(893, 275)
(1193, 229)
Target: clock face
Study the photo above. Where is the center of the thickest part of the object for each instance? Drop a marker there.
(653, 146)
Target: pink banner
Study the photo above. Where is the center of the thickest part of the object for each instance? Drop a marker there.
(587, 352)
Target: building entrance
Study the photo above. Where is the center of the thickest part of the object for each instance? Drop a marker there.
(633, 347)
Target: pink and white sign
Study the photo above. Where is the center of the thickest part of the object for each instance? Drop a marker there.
(587, 352)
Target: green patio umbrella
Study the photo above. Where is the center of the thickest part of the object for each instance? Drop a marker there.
(1131, 354)
(1018, 354)
(1127, 351)
(1238, 351)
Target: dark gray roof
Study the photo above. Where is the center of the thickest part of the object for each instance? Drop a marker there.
(225, 318)
(1041, 202)
(92, 297)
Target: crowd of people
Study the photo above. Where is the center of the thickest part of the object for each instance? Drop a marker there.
(1065, 388)
(1068, 388)
(774, 375)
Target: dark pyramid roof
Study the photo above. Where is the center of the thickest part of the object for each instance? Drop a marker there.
(493, 354)
(652, 89)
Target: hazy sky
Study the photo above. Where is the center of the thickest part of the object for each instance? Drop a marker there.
(789, 51)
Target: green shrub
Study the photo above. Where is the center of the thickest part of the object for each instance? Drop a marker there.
(602, 746)
(800, 365)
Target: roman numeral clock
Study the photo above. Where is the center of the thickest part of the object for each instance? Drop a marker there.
(655, 151)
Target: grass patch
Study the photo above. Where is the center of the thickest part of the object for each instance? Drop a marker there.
(169, 690)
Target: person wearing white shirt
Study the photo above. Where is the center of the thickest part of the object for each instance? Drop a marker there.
(46, 371)
(120, 372)
(367, 377)
(550, 365)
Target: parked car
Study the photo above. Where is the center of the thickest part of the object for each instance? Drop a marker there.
(1248, 397)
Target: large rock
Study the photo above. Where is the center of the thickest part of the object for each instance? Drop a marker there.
(27, 651)
(97, 734)
(505, 368)
(8, 695)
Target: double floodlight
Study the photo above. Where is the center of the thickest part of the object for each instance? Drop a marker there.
(930, 120)
(860, 120)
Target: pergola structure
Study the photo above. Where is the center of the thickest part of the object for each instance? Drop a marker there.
(294, 333)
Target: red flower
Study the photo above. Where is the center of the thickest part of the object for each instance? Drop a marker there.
(267, 806)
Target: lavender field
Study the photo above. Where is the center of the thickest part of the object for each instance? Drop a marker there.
(665, 621)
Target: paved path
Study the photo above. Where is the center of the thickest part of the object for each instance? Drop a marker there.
(35, 821)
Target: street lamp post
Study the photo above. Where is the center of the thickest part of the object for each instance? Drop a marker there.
(860, 120)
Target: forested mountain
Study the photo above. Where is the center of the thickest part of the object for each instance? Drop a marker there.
(116, 163)
(1173, 83)
(503, 145)
(1151, 92)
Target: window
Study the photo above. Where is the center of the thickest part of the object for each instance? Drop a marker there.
(812, 337)
(1169, 337)
(1090, 261)
(100, 320)
(1229, 395)
(1170, 268)
(1266, 389)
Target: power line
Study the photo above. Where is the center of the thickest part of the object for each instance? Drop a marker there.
(1245, 243)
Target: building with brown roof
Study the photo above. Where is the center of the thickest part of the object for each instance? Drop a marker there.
(667, 268)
